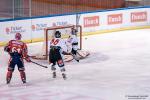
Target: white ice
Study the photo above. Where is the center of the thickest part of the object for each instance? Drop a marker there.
(117, 69)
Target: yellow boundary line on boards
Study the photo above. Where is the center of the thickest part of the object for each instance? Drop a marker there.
(90, 33)
(115, 30)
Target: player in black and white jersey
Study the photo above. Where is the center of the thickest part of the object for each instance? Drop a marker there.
(55, 54)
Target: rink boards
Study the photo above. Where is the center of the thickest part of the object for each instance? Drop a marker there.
(32, 29)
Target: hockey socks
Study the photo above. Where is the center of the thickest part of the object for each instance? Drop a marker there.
(64, 76)
(8, 77)
(62, 69)
(23, 76)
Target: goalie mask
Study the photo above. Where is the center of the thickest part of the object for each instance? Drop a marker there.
(73, 31)
(18, 36)
(57, 34)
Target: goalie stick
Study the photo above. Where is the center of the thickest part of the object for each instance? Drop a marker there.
(39, 64)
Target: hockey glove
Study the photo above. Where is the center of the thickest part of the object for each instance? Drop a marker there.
(7, 49)
(28, 59)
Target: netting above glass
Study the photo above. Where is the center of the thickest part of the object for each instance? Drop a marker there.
(31, 8)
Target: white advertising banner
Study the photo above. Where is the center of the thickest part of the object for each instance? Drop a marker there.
(108, 20)
(38, 25)
(25, 29)
(8, 30)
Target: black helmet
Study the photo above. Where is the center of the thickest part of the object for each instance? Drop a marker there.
(57, 34)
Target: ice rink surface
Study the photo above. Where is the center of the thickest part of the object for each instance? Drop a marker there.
(117, 69)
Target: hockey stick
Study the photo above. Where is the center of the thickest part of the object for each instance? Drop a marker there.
(39, 64)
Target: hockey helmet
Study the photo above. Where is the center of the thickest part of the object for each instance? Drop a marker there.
(57, 34)
(73, 31)
(18, 36)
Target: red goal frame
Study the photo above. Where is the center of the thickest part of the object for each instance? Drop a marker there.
(61, 27)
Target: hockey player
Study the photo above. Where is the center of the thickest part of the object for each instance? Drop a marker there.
(17, 51)
(55, 54)
(72, 43)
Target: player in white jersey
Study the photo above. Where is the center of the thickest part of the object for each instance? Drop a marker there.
(72, 44)
(55, 54)
(73, 41)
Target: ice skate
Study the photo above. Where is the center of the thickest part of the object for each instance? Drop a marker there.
(8, 81)
(24, 81)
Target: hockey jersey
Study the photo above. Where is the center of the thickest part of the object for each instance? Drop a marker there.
(16, 47)
(56, 42)
(73, 40)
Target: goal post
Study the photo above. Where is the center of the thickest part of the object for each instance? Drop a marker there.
(49, 34)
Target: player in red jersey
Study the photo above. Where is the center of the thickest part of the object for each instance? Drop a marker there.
(17, 51)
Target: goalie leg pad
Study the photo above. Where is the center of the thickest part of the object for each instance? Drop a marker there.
(82, 54)
(68, 58)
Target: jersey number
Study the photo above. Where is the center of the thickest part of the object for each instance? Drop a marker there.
(15, 49)
(55, 42)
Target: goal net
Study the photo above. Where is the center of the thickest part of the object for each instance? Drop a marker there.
(49, 34)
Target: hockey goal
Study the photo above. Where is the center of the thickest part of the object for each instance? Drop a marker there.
(49, 34)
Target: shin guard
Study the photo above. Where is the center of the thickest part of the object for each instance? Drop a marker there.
(23, 76)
